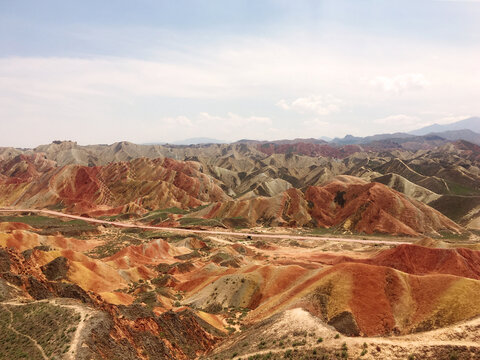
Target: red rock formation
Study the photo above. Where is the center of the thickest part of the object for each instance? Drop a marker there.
(373, 207)
(137, 185)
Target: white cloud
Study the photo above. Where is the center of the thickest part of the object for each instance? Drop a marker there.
(229, 127)
(316, 104)
(234, 119)
(315, 123)
(178, 121)
(400, 83)
(111, 96)
(399, 120)
(451, 119)
(283, 104)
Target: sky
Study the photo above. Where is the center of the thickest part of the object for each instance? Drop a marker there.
(98, 71)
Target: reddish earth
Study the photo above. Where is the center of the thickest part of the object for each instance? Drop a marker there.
(25, 167)
(118, 187)
(164, 296)
(400, 290)
(419, 260)
(373, 207)
(349, 204)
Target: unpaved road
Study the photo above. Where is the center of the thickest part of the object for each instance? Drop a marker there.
(206, 232)
(75, 342)
(10, 326)
(298, 320)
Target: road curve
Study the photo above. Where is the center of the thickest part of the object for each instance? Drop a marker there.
(207, 232)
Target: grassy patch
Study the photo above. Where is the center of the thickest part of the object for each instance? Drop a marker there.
(161, 215)
(198, 208)
(51, 326)
(457, 189)
(12, 345)
(200, 222)
(51, 225)
(114, 245)
(447, 235)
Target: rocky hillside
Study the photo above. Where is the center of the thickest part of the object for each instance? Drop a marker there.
(250, 183)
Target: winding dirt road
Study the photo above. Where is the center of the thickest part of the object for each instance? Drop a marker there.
(206, 232)
(12, 328)
(75, 343)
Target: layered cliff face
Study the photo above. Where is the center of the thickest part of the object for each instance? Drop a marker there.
(118, 187)
(373, 207)
(347, 203)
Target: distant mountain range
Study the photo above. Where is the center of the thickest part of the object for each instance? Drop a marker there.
(198, 140)
(472, 124)
(467, 129)
(190, 141)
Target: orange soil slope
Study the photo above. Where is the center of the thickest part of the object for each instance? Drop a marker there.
(101, 276)
(368, 296)
(401, 290)
(155, 252)
(414, 259)
(385, 301)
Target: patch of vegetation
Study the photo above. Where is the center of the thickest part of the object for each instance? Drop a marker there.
(148, 298)
(51, 225)
(113, 245)
(457, 189)
(453, 236)
(12, 345)
(453, 356)
(198, 208)
(299, 343)
(51, 326)
(321, 231)
(56, 207)
(186, 221)
(214, 308)
(158, 216)
(123, 216)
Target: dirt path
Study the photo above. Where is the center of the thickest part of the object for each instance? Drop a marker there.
(207, 232)
(76, 340)
(10, 326)
(357, 343)
(371, 342)
(462, 335)
(83, 311)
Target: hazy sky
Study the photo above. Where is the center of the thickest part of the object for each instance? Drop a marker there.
(99, 71)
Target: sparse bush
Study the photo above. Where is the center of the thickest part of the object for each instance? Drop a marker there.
(453, 356)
